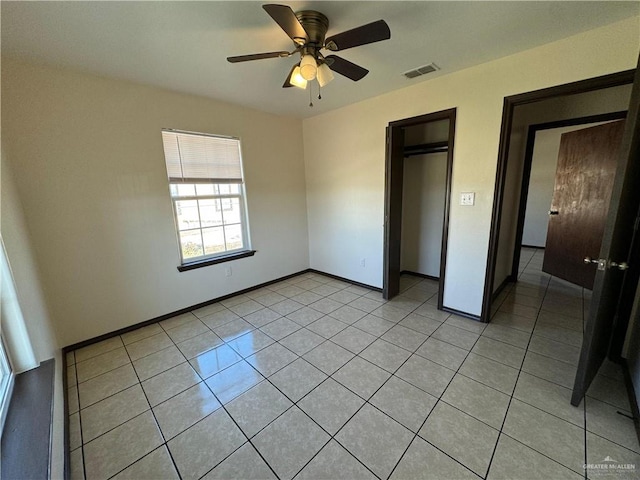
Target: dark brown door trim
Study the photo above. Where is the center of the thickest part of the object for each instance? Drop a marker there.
(509, 104)
(526, 174)
(393, 201)
(394, 167)
(614, 291)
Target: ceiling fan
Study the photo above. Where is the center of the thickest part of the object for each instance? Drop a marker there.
(307, 29)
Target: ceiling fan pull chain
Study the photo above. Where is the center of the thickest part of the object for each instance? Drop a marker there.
(310, 95)
(319, 92)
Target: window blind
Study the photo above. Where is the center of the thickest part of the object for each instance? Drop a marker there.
(194, 158)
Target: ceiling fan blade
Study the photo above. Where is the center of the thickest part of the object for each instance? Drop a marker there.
(286, 18)
(287, 83)
(346, 68)
(258, 56)
(369, 33)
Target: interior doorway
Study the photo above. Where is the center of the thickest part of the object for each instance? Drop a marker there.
(537, 210)
(419, 163)
(609, 93)
(616, 280)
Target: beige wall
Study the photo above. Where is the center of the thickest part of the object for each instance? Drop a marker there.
(35, 336)
(89, 168)
(345, 151)
(39, 334)
(423, 198)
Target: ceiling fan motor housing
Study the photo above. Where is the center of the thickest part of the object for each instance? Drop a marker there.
(316, 25)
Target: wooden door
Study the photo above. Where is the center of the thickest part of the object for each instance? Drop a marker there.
(587, 163)
(611, 281)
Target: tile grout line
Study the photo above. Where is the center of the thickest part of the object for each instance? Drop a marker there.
(586, 455)
(224, 341)
(521, 272)
(367, 401)
(203, 381)
(174, 344)
(223, 407)
(457, 371)
(186, 361)
(439, 399)
(331, 437)
(378, 337)
(584, 428)
(84, 467)
(244, 358)
(504, 420)
(156, 422)
(226, 411)
(586, 431)
(584, 399)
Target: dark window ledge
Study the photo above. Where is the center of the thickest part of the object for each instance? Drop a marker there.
(212, 261)
(27, 429)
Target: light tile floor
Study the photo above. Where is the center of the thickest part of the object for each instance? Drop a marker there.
(317, 378)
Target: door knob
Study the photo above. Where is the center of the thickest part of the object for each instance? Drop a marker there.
(602, 263)
(621, 265)
(553, 212)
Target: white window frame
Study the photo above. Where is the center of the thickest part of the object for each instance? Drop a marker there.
(9, 309)
(243, 222)
(7, 379)
(217, 185)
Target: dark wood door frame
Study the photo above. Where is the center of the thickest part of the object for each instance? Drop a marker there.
(393, 200)
(394, 171)
(528, 163)
(615, 289)
(626, 299)
(509, 104)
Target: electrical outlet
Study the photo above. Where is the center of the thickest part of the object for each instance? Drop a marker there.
(467, 198)
(363, 262)
(227, 272)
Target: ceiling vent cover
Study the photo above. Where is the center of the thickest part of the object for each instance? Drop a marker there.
(417, 72)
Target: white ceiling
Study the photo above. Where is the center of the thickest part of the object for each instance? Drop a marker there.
(183, 45)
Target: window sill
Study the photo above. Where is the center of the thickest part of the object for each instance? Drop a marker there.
(213, 261)
(26, 439)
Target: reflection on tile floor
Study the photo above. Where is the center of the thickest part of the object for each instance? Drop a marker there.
(317, 378)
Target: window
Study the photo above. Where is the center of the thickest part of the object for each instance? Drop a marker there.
(207, 191)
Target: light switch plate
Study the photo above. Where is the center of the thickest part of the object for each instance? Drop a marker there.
(467, 198)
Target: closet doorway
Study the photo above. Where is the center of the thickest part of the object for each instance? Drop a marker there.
(419, 163)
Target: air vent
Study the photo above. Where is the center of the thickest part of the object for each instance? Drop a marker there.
(421, 71)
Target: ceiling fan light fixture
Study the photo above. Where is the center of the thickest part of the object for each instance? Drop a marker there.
(297, 79)
(307, 29)
(325, 75)
(308, 67)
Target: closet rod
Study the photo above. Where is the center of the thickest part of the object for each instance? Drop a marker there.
(435, 147)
